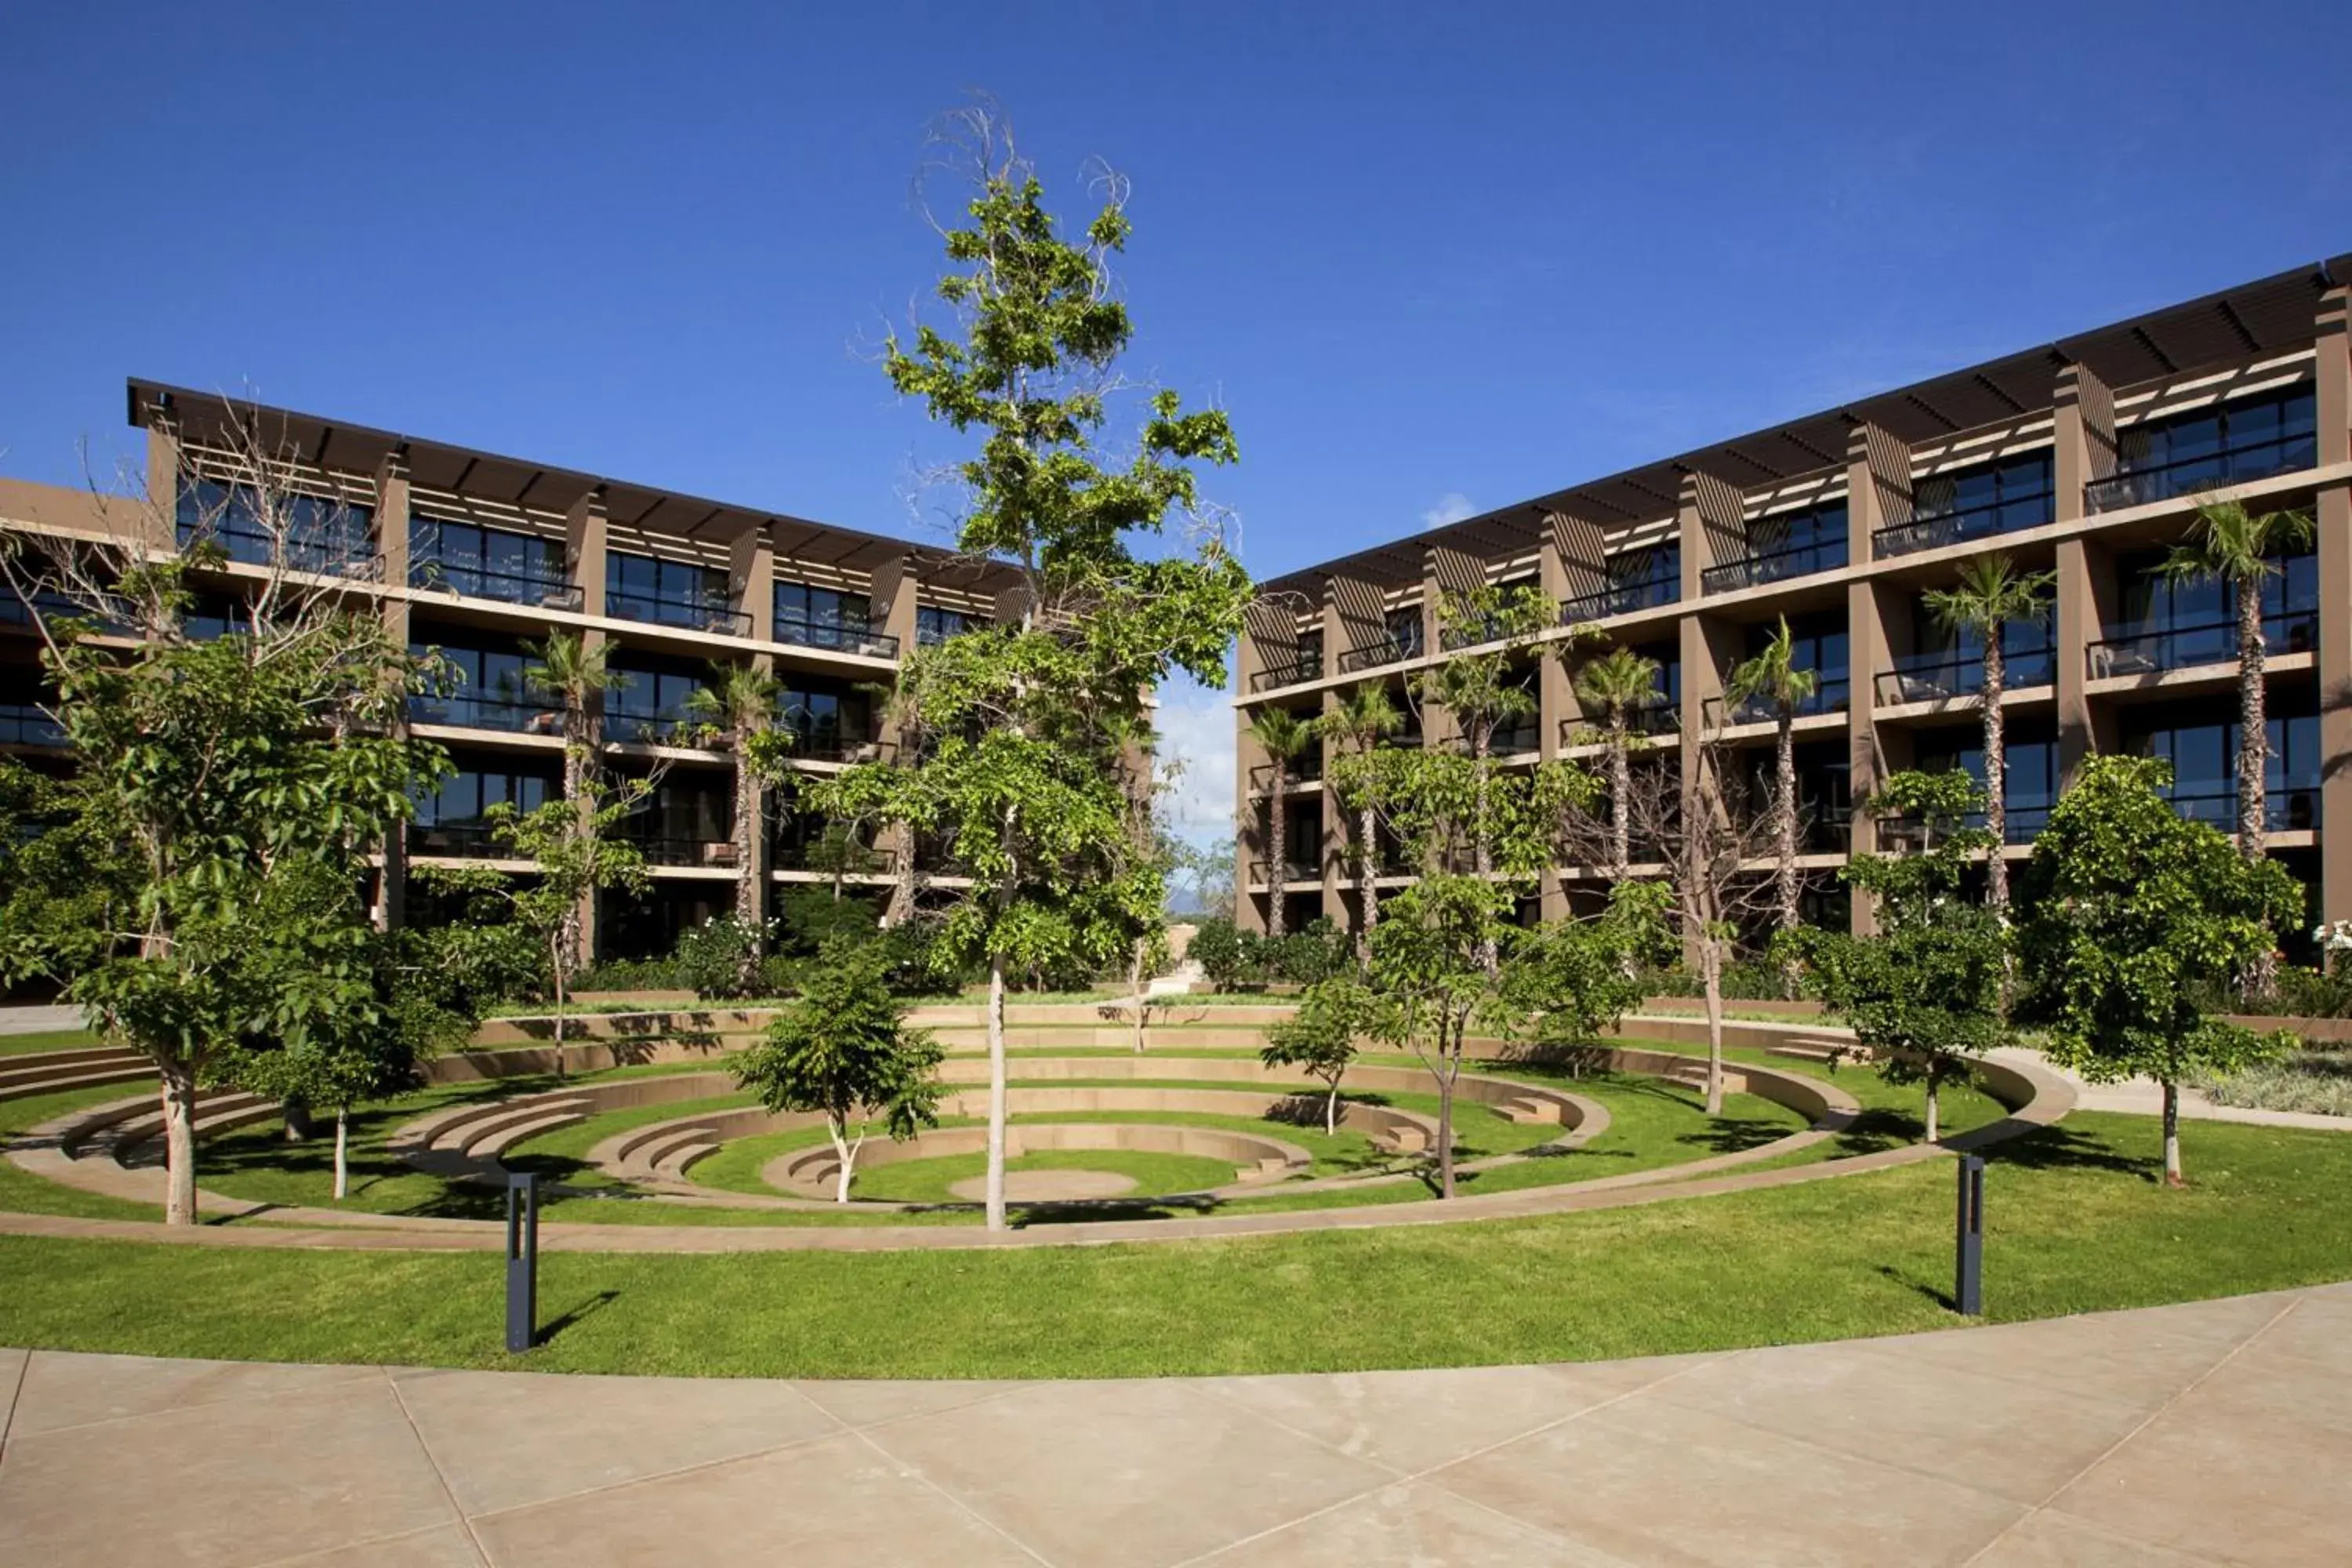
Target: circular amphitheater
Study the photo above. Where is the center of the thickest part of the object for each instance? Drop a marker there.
(643, 1140)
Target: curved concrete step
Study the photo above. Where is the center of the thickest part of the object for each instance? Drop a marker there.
(650, 1155)
(491, 1139)
(438, 1130)
(43, 1061)
(672, 1166)
(141, 1142)
(65, 1082)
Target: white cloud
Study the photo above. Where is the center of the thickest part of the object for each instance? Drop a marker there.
(1451, 507)
(1196, 730)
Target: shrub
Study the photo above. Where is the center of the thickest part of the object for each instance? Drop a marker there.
(630, 974)
(714, 960)
(1217, 947)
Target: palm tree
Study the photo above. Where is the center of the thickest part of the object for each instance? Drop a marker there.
(1772, 676)
(1360, 721)
(1993, 593)
(2229, 545)
(1285, 735)
(576, 672)
(1616, 686)
(733, 709)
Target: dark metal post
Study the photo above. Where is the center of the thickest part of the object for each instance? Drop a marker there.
(523, 1260)
(1967, 1285)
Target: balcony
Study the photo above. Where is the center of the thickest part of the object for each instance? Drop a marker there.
(1295, 673)
(1775, 566)
(2151, 649)
(832, 746)
(1962, 526)
(1944, 677)
(23, 724)
(654, 729)
(671, 849)
(844, 856)
(1304, 770)
(695, 615)
(1908, 835)
(2236, 465)
(508, 715)
(1659, 718)
(459, 840)
(1620, 599)
(1527, 735)
(2285, 810)
(863, 641)
(1292, 871)
(1831, 694)
(1389, 649)
(543, 590)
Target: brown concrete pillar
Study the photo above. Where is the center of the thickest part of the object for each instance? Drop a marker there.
(2084, 431)
(391, 549)
(159, 527)
(1878, 495)
(1249, 813)
(584, 533)
(752, 580)
(2332, 516)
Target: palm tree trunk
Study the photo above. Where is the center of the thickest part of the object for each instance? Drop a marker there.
(1368, 883)
(1784, 770)
(1278, 849)
(1620, 790)
(1996, 766)
(2253, 757)
(750, 907)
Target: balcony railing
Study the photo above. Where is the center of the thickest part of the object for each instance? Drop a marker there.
(2153, 649)
(1292, 871)
(2286, 810)
(474, 712)
(673, 849)
(1959, 527)
(322, 551)
(1831, 694)
(850, 859)
(828, 746)
(1296, 672)
(1511, 741)
(459, 840)
(545, 590)
(1775, 566)
(863, 641)
(1303, 769)
(23, 724)
(701, 615)
(1386, 650)
(1659, 718)
(1943, 676)
(1908, 835)
(1620, 599)
(654, 729)
(2214, 470)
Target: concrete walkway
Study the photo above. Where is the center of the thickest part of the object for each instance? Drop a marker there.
(2145, 1096)
(27, 1018)
(2217, 1432)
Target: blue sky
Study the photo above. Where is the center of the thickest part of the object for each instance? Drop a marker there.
(1432, 259)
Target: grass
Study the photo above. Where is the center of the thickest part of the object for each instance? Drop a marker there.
(932, 1181)
(2076, 1222)
(48, 1040)
(25, 1193)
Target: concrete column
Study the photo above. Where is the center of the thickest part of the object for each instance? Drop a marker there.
(1555, 692)
(1436, 724)
(891, 602)
(1335, 879)
(392, 544)
(2332, 516)
(2084, 432)
(163, 486)
(584, 541)
(1878, 495)
(752, 580)
(1249, 814)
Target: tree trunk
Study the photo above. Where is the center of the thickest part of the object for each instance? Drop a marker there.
(1931, 1104)
(750, 907)
(1331, 1111)
(1711, 970)
(294, 1112)
(1277, 849)
(1368, 848)
(2253, 758)
(343, 1153)
(1481, 848)
(848, 1156)
(2172, 1177)
(1996, 766)
(562, 978)
(995, 1092)
(1450, 1065)
(1784, 772)
(1139, 987)
(1620, 790)
(179, 1092)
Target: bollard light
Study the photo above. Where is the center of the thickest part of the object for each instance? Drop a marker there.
(1968, 1284)
(523, 1260)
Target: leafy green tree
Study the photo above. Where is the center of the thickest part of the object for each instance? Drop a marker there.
(1924, 993)
(1772, 679)
(1932, 802)
(1573, 979)
(2237, 548)
(2133, 915)
(1284, 737)
(1025, 776)
(1218, 949)
(1359, 776)
(842, 1048)
(1993, 595)
(735, 712)
(574, 854)
(721, 956)
(1319, 1038)
(1617, 686)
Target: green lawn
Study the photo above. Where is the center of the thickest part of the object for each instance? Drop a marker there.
(24, 1193)
(2075, 1222)
(930, 1181)
(48, 1040)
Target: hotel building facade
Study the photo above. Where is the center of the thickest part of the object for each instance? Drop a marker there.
(478, 555)
(2086, 458)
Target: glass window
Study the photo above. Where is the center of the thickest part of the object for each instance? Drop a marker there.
(483, 563)
(650, 702)
(1404, 631)
(935, 624)
(826, 617)
(323, 534)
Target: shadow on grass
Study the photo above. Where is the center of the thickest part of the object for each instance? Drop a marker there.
(1879, 1129)
(584, 1310)
(1734, 1135)
(1942, 1297)
(2061, 1148)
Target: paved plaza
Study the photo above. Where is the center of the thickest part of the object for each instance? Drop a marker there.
(2212, 1432)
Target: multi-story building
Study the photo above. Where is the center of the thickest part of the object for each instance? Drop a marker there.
(478, 555)
(2086, 458)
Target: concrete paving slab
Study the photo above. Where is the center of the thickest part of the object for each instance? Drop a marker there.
(12, 1375)
(234, 1481)
(63, 1389)
(856, 1403)
(443, 1546)
(1130, 1473)
(1650, 1481)
(2054, 1539)
(1409, 1525)
(505, 1439)
(835, 1504)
